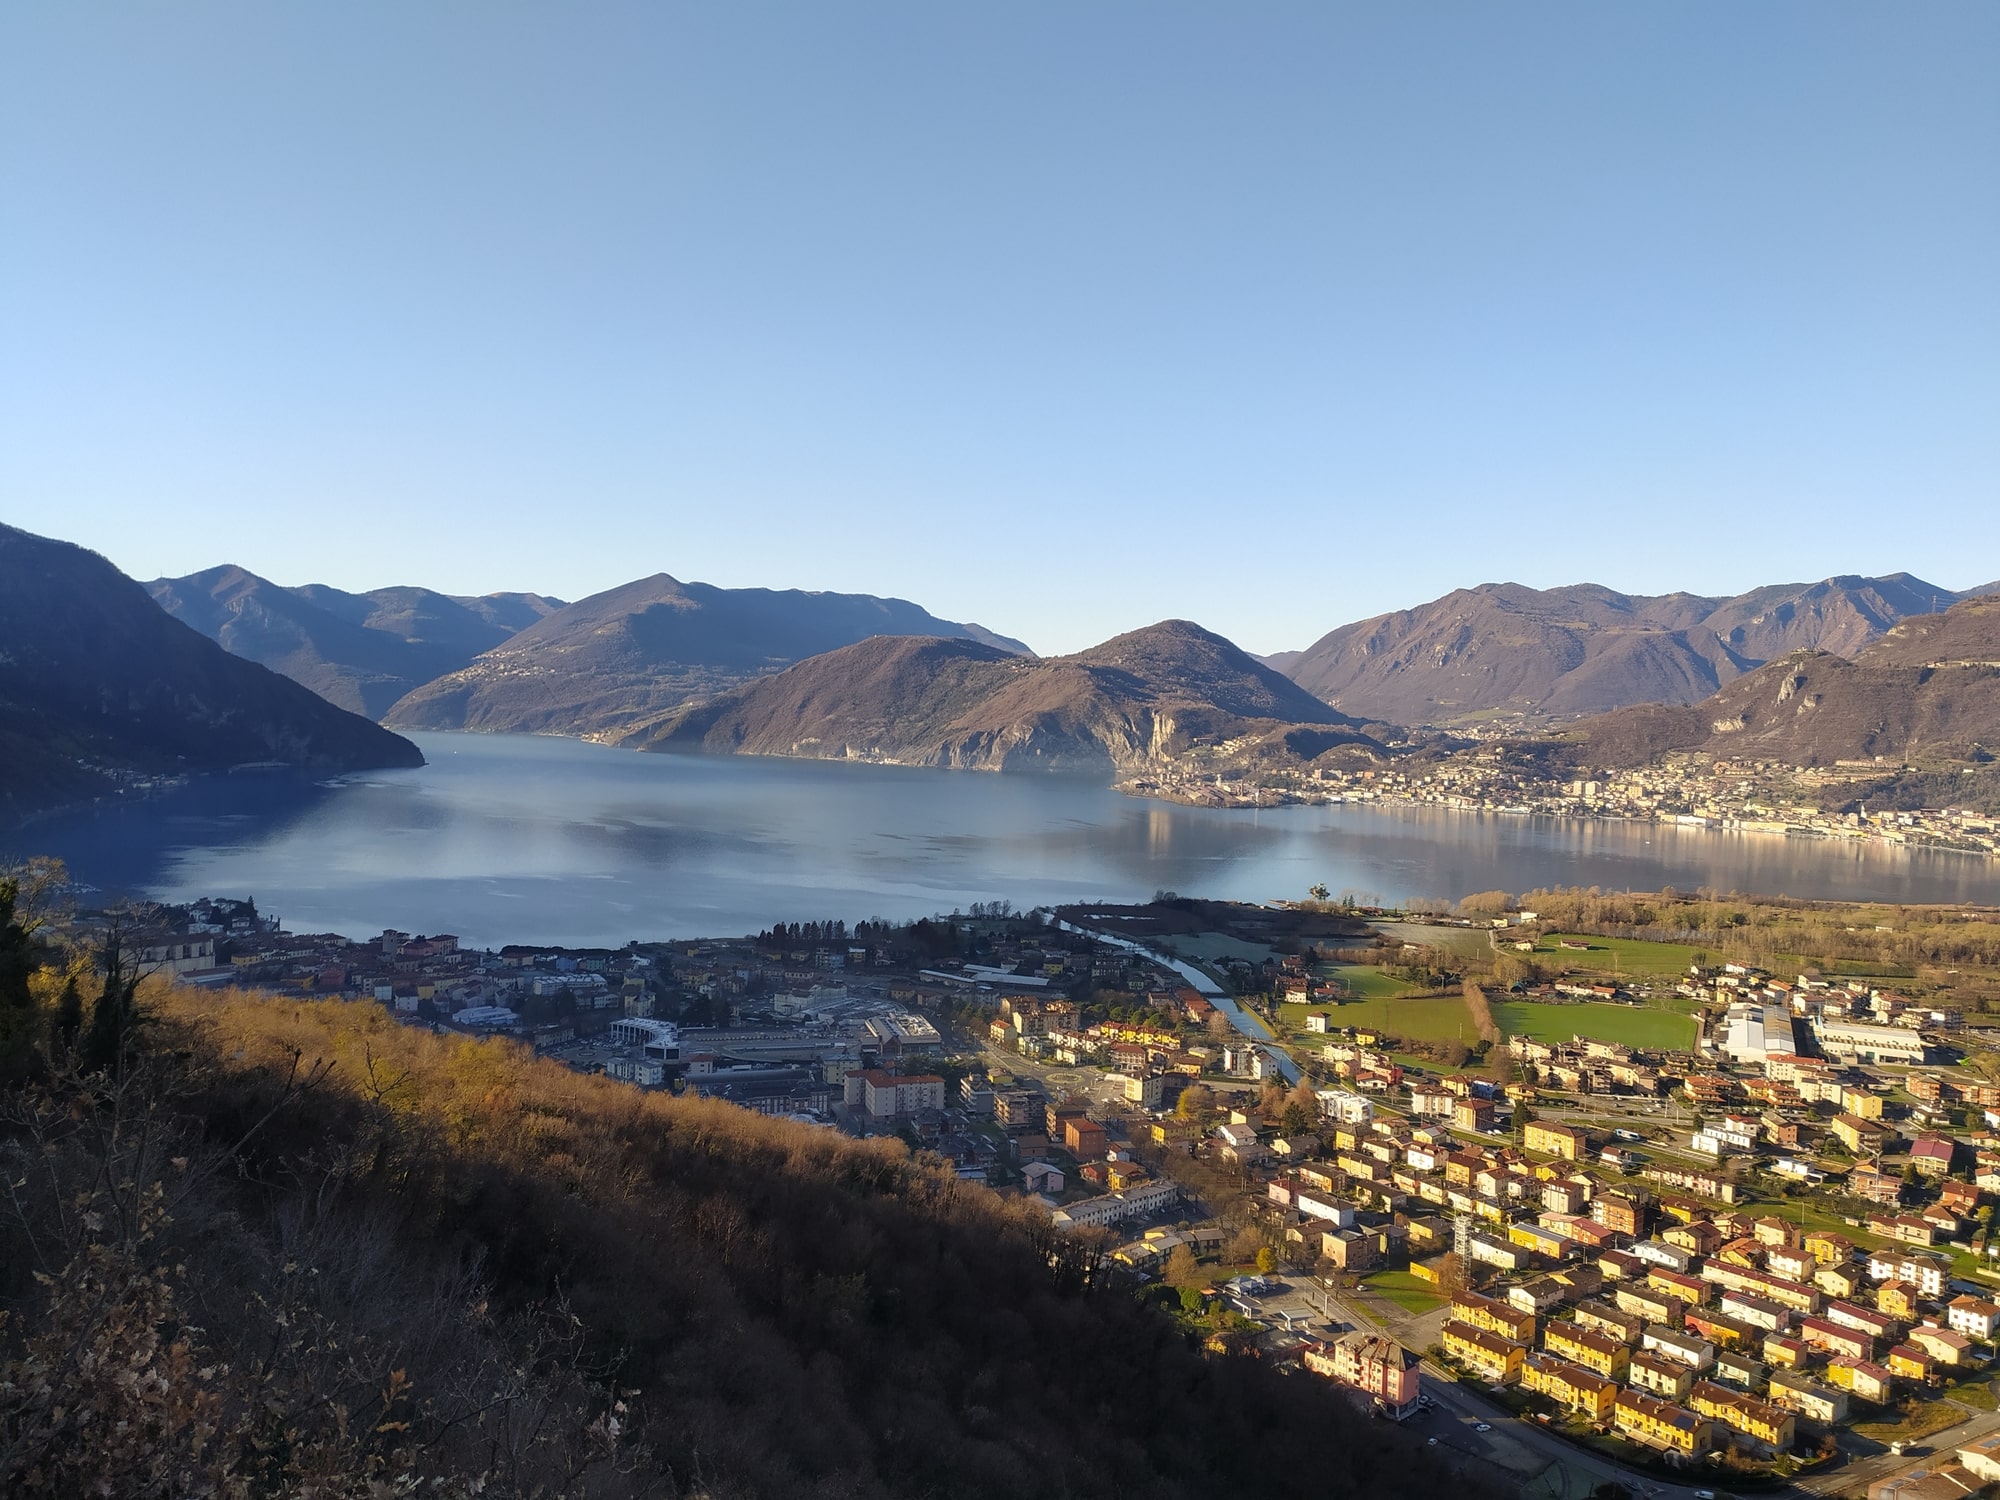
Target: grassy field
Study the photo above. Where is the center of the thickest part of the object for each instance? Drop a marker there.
(1631, 958)
(1433, 1020)
(1977, 1394)
(1414, 1296)
(1366, 982)
(1468, 940)
(1930, 1417)
(1656, 1026)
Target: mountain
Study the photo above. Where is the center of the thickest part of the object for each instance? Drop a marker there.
(1928, 691)
(1143, 701)
(626, 656)
(361, 651)
(1503, 651)
(96, 680)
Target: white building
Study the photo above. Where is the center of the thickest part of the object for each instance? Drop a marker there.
(1344, 1107)
(1856, 1041)
(647, 1072)
(656, 1039)
(1148, 1092)
(1113, 1208)
(904, 1033)
(1753, 1031)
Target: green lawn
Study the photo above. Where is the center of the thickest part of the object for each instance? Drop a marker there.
(1433, 1020)
(1414, 1295)
(1630, 957)
(1655, 1026)
(1366, 982)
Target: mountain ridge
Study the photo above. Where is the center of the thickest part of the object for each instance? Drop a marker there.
(1506, 651)
(1136, 703)
(623, 657)
(360, 651)
(1927, 691)
(96, 681)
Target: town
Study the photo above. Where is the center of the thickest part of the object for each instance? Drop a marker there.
(1764, 797)
(1678, 1214)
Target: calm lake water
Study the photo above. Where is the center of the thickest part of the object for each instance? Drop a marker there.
(505, 838)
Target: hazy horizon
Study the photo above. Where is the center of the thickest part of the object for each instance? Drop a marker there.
(1057, 320)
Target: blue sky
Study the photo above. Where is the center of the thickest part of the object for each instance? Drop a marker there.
(1063, 317)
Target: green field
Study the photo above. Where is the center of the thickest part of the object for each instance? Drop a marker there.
(1630, 957)
(1413, 1295)
(1366, 982)
(1654, 1026)
(1433, 1020)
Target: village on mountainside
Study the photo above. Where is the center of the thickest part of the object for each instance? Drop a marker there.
(1676, 1210)
(1693, 791)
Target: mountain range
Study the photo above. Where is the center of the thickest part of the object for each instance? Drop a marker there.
(1927, 691)
(361, 651)
(606, 663)
(1847, 668)
(527, 663)
(1141, 701)
(1504, 656)
(96, 682)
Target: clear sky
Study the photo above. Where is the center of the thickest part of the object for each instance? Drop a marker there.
(1059, 317)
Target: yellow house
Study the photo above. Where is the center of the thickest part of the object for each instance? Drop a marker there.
(1869, 1381)
(1768, 1424)
(1661, 1424)
(1597, 1352)
(1857, 1134)
(1861, 1103)
(1828, 1248)
(1910, 1363)
(1660, 1376)
(1570, 1386)
(1556, 1140)
(1494, 1359)
(1897, 1298)
(1490, 1313)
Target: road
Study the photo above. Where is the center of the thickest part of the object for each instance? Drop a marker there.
(1860, 1471)
(1544, 1465)
(1205, 986)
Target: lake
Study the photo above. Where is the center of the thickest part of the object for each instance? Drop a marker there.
(507, 838)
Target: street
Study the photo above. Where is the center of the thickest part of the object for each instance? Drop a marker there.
(1545, 1465)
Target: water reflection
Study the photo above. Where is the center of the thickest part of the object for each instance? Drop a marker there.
(505, 838)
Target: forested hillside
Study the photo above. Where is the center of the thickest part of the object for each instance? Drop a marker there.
(261, 1246)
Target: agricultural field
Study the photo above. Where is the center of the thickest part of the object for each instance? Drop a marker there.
(1437, 1019)
(1660, 1027)
(1470, 941)
(1366, 981)
(1628, 958)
